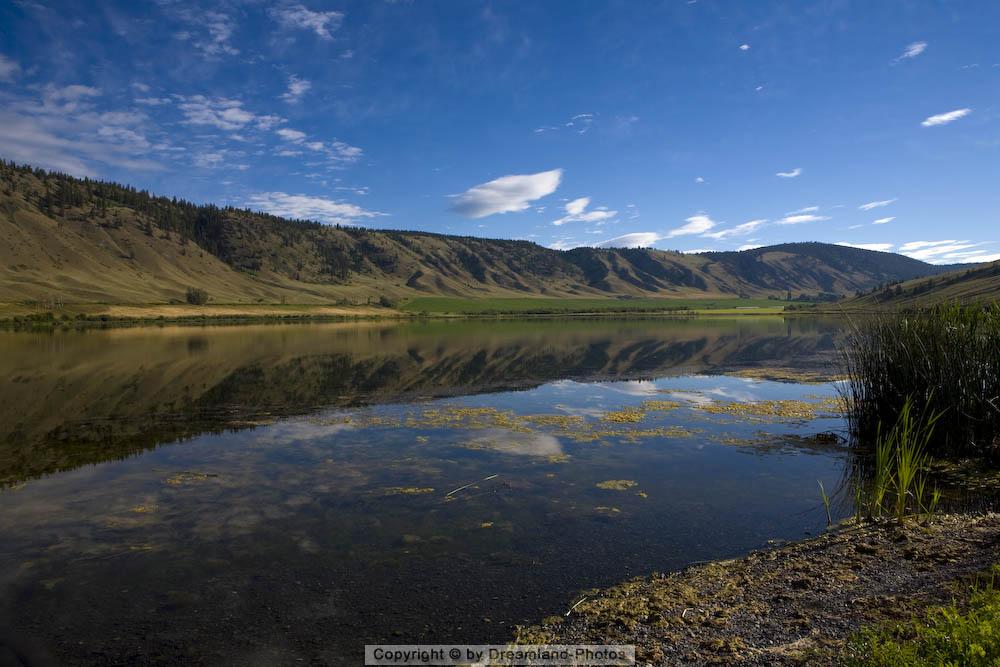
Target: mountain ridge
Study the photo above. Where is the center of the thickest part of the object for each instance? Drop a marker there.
(81, 240)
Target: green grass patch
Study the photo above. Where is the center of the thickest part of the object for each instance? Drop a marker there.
(547, 306)
(946, 636)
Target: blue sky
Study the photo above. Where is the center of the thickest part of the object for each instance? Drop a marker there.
(679, 124)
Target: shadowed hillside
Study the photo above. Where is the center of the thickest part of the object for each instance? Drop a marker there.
(974, 285)
(68, 240)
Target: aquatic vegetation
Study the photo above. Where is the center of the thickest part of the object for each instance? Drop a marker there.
(561, 421)
(486, 524)
(624, 416)
(605, 509)
(785, 374)
(897, 484)
(660, 406)
(617, 484)
(144, 509)
(774, 409)
(945, 361)
(406, 490)
(187, 477)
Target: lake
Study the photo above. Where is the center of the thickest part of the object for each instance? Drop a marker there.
(279, 494)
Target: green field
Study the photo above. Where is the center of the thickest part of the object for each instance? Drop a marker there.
(550, 306)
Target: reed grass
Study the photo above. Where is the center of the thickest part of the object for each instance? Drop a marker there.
(944, 362)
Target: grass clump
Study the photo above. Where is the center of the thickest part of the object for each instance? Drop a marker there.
(617, 484)
(946, 636)
(945, 361)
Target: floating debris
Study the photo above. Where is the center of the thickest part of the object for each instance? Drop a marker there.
(462, 488)
(187, 477)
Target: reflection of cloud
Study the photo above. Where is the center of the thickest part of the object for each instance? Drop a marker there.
(295, 430)
(522, 444)
(632, 387)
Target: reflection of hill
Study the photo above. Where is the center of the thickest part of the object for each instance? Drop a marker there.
(67, 399)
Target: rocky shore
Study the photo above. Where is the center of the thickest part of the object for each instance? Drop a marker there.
(790, 605)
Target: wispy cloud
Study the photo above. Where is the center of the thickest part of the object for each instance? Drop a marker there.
(633, 240)
(884, 221)
(223, 113)
(945, 118)
(324, 24)
(305, 207)
(9, 69)
(912, 51)
(948, 251)
(296, 89)
(879, 247)
(576, 211)
(876, 204)
(790, 174)
(739, 230)
(696, 224)
(212, 31)
(580, 123)
(791, 219)
(804, 209)
(507, 194)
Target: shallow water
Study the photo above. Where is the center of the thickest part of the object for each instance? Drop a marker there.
(265, 494)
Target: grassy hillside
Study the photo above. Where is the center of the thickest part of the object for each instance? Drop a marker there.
(67, 240)
(973, 285)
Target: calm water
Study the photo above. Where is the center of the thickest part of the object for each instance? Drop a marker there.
(285, 494)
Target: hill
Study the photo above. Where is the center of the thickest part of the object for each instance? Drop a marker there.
(971, 285)
(68, 240)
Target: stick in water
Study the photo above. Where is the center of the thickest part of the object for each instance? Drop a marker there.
(484, 479)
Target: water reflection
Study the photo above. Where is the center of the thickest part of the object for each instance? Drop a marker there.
(330, 485)
(72, 398)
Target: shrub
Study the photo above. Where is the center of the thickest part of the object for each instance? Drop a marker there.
(196, 296)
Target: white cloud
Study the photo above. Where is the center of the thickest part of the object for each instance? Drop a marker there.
(633, 240)
(304, 207)
(738, 230)
(220, 28)
(8, 68)
(297, 16)
(790, 174)
(153, 101)
(876, 204)
(884, 221)
(912, 50)
(697, 251)
(879, 247)
(949, 251)
(699, 179)
(744, 47)
(749, 246)
(804, 209)
(506, 194)
(945, 118)
(222, 113)
(296, 89)
(288, 134)
(576, 212)
(801, 219)
(696, 224)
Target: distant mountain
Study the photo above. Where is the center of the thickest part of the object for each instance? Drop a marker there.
(80, 240)
(977, 284)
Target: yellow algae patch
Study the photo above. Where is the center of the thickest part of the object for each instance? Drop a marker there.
(486, 524)
(406, 490)
(642, 494)
(558, 458)
(617, 484)
(624, 416)
(144, 509)
(182, 478)
(561, 421)
(766, 410)
(660, 406)
(785, 374)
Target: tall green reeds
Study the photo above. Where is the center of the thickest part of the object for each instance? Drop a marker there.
(897, 485)
(943, 362)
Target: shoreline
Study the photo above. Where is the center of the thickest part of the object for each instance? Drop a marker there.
(798, 603)
(18, 316)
